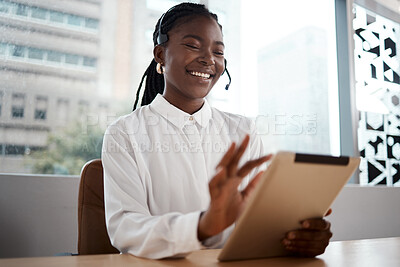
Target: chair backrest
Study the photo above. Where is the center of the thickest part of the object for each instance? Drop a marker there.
(92, 232)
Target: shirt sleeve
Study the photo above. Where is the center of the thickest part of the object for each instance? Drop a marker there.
(131, 227)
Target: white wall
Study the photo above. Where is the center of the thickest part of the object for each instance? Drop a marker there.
(366, 212)
(38, 214)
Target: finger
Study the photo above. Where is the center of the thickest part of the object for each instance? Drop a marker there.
(309, 235)
(328, 212)
(303, 244)
(232, 166)
(250, 165)
(315, 224)
(304, 251)
(252, 185)
(227, 157)
(219, 177)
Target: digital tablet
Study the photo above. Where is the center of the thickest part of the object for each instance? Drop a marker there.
(293, 188)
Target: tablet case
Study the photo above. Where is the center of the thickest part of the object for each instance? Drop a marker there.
(293, 188)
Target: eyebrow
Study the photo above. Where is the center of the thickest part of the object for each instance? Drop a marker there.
(201, 39)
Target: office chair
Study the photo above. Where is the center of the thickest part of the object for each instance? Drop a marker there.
(92, 232)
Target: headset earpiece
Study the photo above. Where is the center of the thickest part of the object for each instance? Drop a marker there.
(162, 37)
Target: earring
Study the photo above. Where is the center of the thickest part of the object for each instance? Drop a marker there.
(159, 68)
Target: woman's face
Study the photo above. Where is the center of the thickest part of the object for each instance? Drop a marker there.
(193, 59)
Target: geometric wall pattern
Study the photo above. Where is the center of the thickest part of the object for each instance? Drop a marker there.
(377, 73)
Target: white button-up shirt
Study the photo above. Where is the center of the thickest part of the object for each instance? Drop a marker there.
(158, 162)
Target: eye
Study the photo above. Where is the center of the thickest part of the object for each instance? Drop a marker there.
(192, 46)
(219, 53)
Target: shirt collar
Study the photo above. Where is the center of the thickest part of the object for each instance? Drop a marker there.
(178, 117)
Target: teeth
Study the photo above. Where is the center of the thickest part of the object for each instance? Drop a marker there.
(199, 74)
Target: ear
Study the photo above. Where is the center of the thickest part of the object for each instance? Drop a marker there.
(158, 53)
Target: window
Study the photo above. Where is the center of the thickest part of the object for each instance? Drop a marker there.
(84, 64)
(68, 78)
(14, 150)
(35, 53)
(22, 10)
(74, 20)
(18, 105)
(48, 57)
(56, 16)
(38, 13)
(377, 70)
(4, 7)
(62, 110)
(41, 108)
(89, 62)
(72, 59)
(54, 56)
(91, 23)
(83, 106)
(18, 51)
(1, 102)
(3, 49)
(284, 73)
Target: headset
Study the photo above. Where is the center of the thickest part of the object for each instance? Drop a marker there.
(163, 38)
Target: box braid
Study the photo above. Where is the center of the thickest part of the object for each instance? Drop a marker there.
(172, 18)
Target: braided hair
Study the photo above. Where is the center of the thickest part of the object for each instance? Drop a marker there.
(154, 81)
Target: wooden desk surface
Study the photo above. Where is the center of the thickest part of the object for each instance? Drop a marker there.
(363, 253)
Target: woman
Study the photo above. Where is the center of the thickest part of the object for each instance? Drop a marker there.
(171, 167)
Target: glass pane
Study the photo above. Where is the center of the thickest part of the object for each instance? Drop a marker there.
(72, 59)
(38, 13)
(35, 53)
(17, 112)
(3, 48)
(56, 16)
(74, 20)
(14, 149)
(377, 69)
(22, 10)
(54, 56)
(91, 23)
(88, 61)
(4, 7)
(40, 114)
(283, 67)
(18, 51)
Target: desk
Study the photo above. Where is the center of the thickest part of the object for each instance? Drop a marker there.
(363, 253)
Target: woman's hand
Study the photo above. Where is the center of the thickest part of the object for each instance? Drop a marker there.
(310, 240)
(227, 202)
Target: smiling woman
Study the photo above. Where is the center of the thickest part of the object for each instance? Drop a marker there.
(178, 193)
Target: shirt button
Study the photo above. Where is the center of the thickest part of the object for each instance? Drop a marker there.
(191, 118)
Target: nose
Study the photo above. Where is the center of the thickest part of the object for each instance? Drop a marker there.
(207, 58)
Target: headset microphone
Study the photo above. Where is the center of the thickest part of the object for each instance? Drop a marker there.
(229, 76)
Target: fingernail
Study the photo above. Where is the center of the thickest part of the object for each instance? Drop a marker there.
(286, 242)
(306, 224)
